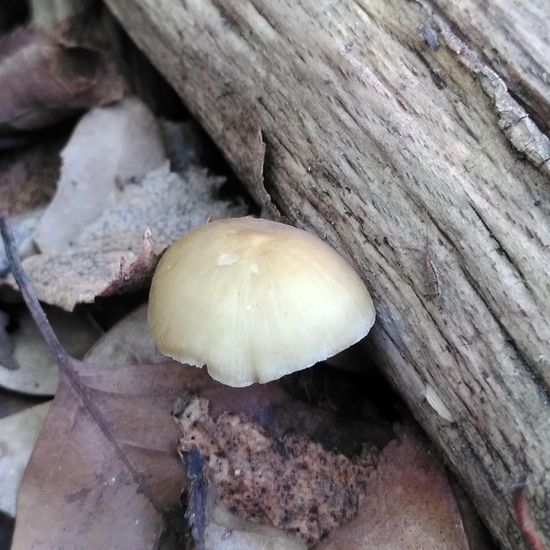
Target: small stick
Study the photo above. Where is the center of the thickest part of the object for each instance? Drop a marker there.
(197, 501)
(528, 529)
(29, 296)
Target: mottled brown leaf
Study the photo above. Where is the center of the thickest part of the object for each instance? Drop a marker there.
(290, 483)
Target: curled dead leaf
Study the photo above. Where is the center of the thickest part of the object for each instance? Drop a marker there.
(167, 203)
(138, 273)
(43, 80)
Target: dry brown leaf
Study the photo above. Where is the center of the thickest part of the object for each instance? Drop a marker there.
(106, 493)
(43, 80)
(137, 273)
(110, 255)
(18, 434)
(109, 147)
(114, 491)
(290, 483)
(94, 497)
(71, 278)
(30, 368)
(409, 503)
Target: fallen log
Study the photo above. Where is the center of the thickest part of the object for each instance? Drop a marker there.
(388, 134)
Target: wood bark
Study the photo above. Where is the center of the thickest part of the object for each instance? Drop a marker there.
(410, 135)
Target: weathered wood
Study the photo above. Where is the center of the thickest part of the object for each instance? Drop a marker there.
(387, 134)
(514, 38)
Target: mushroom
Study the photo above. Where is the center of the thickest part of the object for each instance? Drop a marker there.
(254, 300)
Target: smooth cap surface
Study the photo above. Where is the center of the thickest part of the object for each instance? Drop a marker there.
(254, 300)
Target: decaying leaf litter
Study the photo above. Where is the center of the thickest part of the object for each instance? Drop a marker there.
(108, 465)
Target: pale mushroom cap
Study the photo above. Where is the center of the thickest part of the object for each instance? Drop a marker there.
(254, 300)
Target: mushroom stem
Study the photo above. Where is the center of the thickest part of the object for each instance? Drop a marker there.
(29, 296)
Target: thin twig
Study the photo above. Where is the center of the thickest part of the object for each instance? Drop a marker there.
(197, 501)
(29, 296)
(528, 529)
